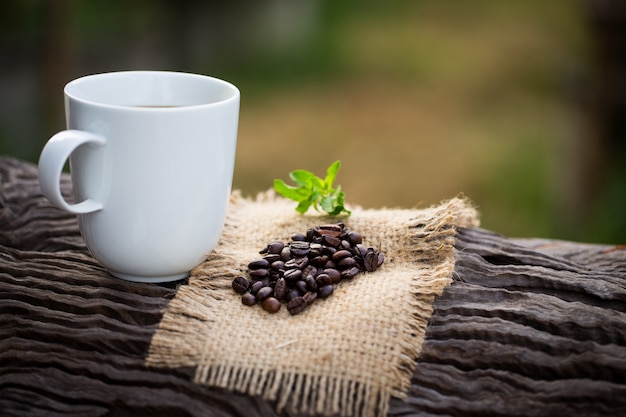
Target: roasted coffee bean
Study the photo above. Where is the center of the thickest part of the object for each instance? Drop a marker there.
(277, 265)
(324, 291)
(273, 247)
(310, 297)
(329, 250)
(331, 241)
(323, 279)
(280, 289)
(330, 264)
(292, 275)
(248, 299)
(259, 273)
(300, 248)
(333, 230)
(272, 257)
(298, 237)
(296, 305)
(301, 286)
(347, 263)
(259, 264)
(285, 254)
(271, 305)
(334, 274)
(360, 249)
(291, 294)
(341, 254)
(316, 249)
(240, 284)
(311, 283)
(355, 238)
(309, 270)
(381, 259)
(370, 261)
(350, 273)
(256, 286)
(298, 263)
(263, 293)
(345, 245)
(320, 260)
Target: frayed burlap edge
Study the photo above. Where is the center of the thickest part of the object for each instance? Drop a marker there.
(432, 234)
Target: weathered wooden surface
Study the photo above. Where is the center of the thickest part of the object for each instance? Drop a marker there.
(528, 328)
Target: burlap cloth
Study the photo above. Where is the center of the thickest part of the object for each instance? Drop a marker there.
(347, 354)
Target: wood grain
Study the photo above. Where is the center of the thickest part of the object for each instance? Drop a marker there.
(528, 328)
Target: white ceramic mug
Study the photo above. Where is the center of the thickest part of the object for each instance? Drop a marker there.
(151, 158)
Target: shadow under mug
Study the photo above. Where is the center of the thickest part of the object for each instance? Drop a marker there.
(151, 157)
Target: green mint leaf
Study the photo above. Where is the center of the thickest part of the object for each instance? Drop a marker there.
(331, 174)
(303, 206)
(288, 191)
(302, 177)
(312, 190)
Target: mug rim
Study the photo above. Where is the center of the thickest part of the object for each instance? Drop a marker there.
(70, 89)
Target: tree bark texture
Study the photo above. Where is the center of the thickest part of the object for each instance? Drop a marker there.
(529, 327)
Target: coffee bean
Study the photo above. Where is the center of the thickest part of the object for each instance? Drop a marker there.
(272, 257)
(345, 245)
(347, 263)
(324, 291)
(285, 254)
(370, 261)
(341, 254)
(292, 275)
(323, 279)
(277, 265)
(331, 241)
(350, 273)
(259, 273)
(298, 237)
(273, 247)
(320, 260)
(263, 293)
(300, 248)
(333, 230)
(310, 297)
(309, 270)
(257, 285)
(296, 305)
(291, 294)
(311, 283)
(280, 289)
(248, 299)
(330, 264)
(301, 286)
(316, 249)
(271, 305)
(298, 263)
(355, 238)
(334, 274)
(360, 249)
(259, 264)
(240, 284)
(381, 259)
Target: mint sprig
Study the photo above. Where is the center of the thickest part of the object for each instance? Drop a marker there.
(311, 190)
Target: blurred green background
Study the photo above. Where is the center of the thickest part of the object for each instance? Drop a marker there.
(518, 105)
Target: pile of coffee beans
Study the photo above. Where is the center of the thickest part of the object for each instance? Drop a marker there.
(299, 272)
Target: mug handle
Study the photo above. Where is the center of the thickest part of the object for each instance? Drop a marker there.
(53, 157)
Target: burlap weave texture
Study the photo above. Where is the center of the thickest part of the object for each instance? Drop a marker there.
(346, 355)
